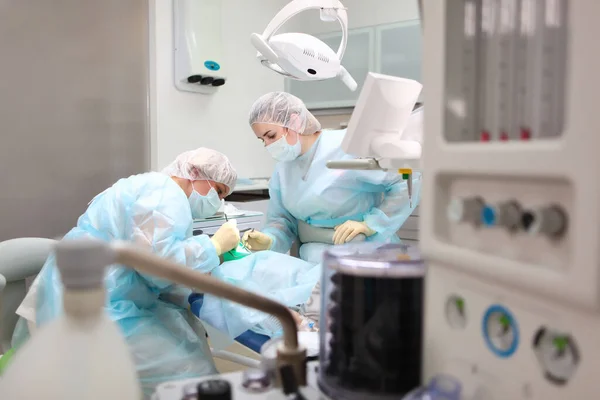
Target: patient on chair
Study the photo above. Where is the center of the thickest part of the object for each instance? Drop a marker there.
(288, 280)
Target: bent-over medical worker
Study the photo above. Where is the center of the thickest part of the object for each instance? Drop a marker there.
(155, 211)
(314, 204)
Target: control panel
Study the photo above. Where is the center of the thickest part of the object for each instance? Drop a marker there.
(511, 207)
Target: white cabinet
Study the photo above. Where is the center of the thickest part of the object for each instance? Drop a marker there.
(391, 49)
(359, 59)
(398, 49)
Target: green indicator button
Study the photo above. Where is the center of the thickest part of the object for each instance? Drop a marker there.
(504, 321)
(560, 342)
(460, 304)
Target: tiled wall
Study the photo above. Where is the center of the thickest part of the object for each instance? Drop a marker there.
(335, 121)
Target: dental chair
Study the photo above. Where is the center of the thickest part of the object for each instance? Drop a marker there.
(23, 258)
(249, 339)
(20, 259)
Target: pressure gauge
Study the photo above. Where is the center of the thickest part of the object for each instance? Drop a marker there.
(500, 331)
(557, 354)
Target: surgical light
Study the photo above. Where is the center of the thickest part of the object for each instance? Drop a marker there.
(301, 56)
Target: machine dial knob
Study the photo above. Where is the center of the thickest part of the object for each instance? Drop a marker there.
(465, 210)
(214, 389)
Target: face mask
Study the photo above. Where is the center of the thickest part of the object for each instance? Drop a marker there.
(281, 150)
(204, 206)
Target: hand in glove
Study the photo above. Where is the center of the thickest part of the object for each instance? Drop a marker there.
(257, 241)
(226, 238)
(349, 230)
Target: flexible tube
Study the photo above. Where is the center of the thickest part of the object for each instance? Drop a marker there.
(236, 358)
(149, 263)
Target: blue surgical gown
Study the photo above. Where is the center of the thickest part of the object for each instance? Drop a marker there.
(306, 190)
(149, 210)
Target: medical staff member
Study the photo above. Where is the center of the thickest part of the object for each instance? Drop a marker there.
(305, 194)
(155, 211)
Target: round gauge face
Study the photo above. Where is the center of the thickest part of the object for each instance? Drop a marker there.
(557, 354)
(500, 331)
(456, 312)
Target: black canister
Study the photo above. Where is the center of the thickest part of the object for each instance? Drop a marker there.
(372, 321)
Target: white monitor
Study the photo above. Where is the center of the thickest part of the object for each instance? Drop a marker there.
(377, 126)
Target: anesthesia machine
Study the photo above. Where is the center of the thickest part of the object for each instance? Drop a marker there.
(510, 209)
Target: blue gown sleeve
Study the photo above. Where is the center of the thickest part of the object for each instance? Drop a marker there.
(161, 221)
(395, 208)
(281, 226)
